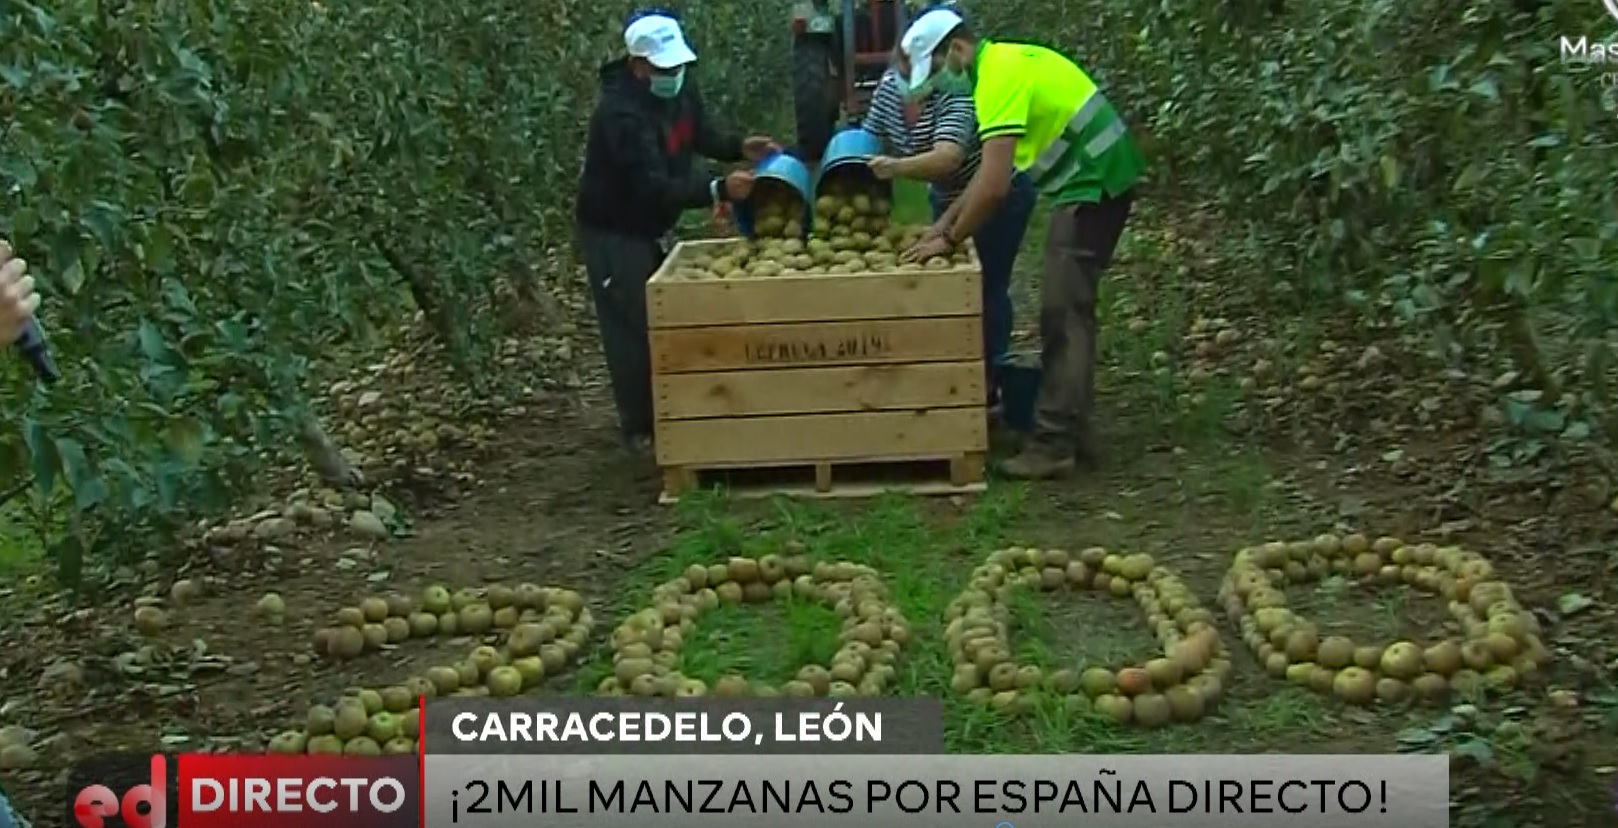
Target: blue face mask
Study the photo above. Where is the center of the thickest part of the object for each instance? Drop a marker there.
(668, 86)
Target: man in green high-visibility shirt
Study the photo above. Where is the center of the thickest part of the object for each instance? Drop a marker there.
(1040, 114)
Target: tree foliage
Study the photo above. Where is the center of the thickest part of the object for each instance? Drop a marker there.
(224, 197)
(1439, 162)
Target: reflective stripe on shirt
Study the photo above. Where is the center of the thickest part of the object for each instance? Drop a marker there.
(1095, 107)
(1057, 162)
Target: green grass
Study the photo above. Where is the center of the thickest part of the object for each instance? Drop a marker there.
(1382, 613)
(910, 204)
(926, 557)
(22, 548)
(769, 648)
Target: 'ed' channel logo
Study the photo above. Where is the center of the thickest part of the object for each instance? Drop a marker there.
(243, 791)
(123, 791)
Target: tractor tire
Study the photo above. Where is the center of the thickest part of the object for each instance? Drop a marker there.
(815, 95)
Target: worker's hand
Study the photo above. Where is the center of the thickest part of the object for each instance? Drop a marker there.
(18, 301)
(759, 147)
(927, 248)
(739, 185)
(883, 167)
(722, 216)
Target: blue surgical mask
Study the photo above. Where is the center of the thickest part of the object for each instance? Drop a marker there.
(668, 86)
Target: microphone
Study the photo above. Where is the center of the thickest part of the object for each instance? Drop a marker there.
(37, 351)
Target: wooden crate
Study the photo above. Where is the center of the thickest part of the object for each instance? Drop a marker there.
(824, 374)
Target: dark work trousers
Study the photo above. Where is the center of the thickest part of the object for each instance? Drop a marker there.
(998, 241)
(618, 267)
(1079, 244)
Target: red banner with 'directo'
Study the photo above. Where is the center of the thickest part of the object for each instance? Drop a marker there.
(274, 791)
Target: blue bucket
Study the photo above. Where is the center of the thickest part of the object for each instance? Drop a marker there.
(783, 168)
(851, 146)
(1020, 377)
(846, 155)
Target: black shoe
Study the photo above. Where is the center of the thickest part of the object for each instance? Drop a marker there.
(1087, 455)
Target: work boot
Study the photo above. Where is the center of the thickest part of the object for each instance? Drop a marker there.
(1040, 460)
(1087, 454)
(1004, 441)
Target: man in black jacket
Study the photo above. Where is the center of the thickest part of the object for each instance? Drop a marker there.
(639, 175)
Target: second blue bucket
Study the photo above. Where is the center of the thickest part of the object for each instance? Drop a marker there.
(847, 153)
(787, 170)
(1020, 378)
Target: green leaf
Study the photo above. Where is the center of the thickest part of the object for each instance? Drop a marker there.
(1473, 747)
(88, 489)
(1390, 172)
(1517, 411)
(42, 459)
(1547, 421)
(1572, 603)
(152, 344)
(103, 218)
(1470, 175)
(1588, 249)
(72, 277)
(185, 437)
(24, 221)
(157, 251)
(198, 187)
(167, 482)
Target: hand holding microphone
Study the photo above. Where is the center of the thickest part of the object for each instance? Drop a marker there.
(18, 302)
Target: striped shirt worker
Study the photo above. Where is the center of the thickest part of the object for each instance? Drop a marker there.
(941, 119)
(932, 135)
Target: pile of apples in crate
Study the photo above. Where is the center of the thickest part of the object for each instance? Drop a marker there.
(851, 233)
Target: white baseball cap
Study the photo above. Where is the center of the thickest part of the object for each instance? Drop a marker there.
(923, 38)
(658, 39)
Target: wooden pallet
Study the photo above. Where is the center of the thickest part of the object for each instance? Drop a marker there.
(834, 479)
(819, 373)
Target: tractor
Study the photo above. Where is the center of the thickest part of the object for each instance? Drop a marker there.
(840, 48)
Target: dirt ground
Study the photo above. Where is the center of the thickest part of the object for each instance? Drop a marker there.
(1194, 472)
